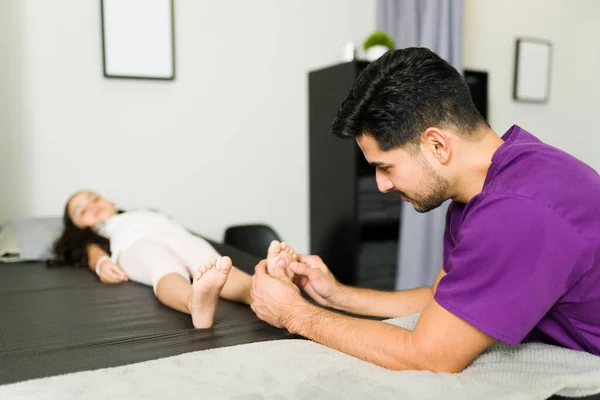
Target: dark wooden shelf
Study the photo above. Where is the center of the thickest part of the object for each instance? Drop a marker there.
(349, 217)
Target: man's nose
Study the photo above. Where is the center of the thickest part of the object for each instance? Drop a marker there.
(383, 183)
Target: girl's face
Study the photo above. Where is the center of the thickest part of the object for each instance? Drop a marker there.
(88, 209)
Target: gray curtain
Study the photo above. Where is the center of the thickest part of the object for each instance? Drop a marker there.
(437, 25)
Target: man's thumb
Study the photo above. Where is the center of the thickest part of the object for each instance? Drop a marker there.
(302, 269)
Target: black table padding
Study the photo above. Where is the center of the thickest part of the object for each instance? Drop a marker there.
(60, 320)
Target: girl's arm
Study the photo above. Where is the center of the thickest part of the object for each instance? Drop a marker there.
(94, 252)
(108, 272)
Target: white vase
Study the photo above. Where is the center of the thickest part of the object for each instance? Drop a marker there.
(373, 53)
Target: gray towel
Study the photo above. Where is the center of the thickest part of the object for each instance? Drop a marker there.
(300, 369)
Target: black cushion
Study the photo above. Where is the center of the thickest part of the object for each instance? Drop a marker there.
(252, 239)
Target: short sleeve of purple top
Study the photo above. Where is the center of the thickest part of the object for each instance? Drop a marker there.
(522, 258)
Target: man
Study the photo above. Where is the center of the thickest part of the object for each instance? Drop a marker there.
(522, 241)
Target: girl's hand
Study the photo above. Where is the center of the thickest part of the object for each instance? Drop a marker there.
(111, 273)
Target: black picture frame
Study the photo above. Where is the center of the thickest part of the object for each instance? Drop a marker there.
(109, 74)
(533, 68)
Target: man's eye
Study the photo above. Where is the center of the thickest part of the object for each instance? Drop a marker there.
(383, 169)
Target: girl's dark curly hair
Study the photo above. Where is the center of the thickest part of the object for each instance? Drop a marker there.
(71, 247)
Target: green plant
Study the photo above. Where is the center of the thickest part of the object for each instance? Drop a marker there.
(379, 38)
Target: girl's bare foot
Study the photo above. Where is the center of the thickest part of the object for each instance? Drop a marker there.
(206, 288)
(280, 253)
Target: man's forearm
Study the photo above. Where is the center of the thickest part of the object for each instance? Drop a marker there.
(376, 342)
(382, 304)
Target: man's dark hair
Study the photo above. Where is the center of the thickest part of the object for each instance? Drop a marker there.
(397, 97)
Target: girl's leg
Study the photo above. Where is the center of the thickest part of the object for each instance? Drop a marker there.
(237, 288)
(159, 267)
(175, 291)
(239, 283)
(194, 251)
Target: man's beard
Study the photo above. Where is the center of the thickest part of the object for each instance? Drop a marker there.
(434, 191)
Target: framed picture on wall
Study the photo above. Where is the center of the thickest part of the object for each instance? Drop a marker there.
(532, 70)
(138, 39)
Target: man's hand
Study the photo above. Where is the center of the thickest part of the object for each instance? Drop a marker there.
(274, 298)
(313, 276)
(111, 273)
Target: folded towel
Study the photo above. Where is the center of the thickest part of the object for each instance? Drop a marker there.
(9, 247)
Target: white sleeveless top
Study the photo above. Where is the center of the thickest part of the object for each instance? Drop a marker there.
(126, 228)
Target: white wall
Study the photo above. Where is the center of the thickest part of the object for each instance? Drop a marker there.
(226, 143)
(569, 119)
(3, 104)
(14, 112)
(6, 72)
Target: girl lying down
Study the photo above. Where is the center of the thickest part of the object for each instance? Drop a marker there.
(185, 271)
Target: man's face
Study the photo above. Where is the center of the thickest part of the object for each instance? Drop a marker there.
(410, 175)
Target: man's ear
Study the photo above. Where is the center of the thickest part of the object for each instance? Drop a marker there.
(437, 143)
